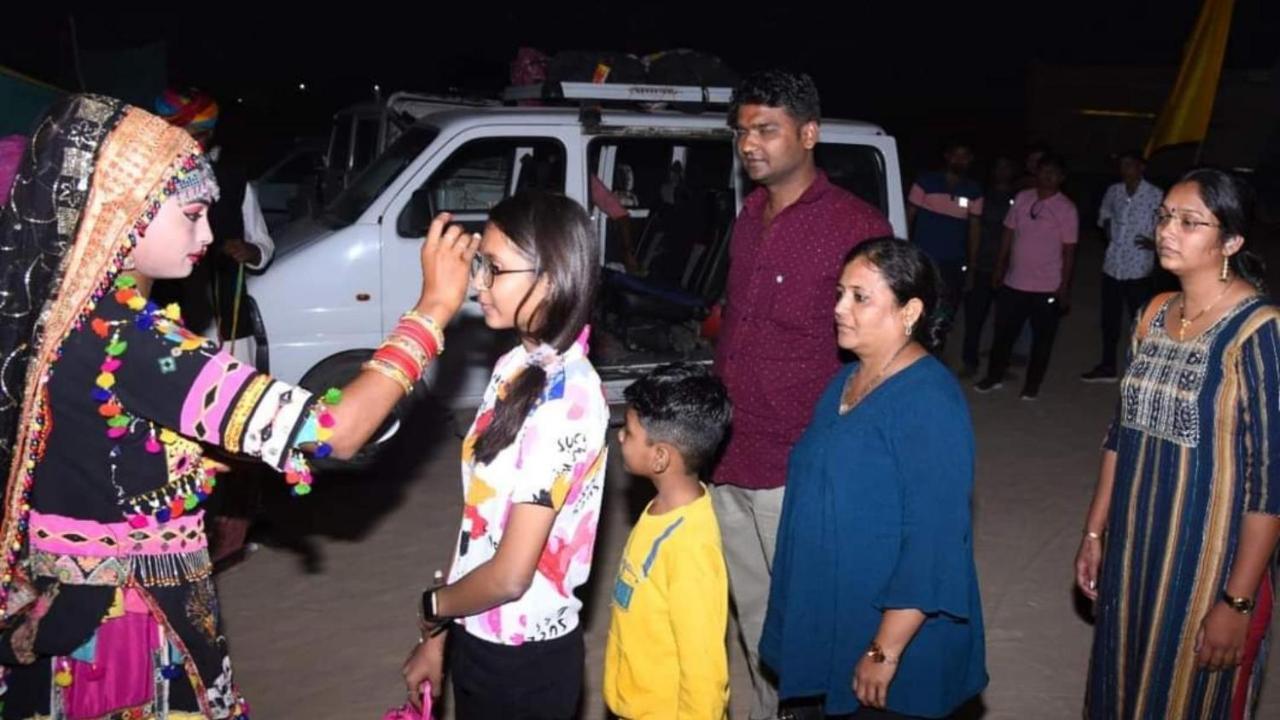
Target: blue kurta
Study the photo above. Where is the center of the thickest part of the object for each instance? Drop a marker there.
(1197, 443)
(877, 517)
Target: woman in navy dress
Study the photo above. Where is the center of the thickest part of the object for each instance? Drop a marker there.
(1179, 544)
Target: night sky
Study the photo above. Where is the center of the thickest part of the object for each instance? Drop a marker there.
(903, 64)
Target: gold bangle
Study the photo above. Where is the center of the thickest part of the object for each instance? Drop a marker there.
(432, 331)
(391, 372)
(412, 356)
(1242, 605)
(397, 373)
(418, 353)
(427, 323)
(412, 352)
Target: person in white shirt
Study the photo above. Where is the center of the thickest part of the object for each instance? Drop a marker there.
(241, 241)
(1127, 219)
(211, 297)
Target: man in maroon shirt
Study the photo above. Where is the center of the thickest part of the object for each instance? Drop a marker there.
(777, 348)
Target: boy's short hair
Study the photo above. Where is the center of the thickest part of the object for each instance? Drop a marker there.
(685, 406)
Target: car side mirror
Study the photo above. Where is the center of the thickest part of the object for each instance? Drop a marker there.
(417, 214)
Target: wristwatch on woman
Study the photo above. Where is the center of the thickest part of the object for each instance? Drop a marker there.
(431, 622)
(877, 654)
(1242, 605)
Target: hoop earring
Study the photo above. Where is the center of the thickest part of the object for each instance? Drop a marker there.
(909, 327)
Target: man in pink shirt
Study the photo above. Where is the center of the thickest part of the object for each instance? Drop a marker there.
(1033, 273)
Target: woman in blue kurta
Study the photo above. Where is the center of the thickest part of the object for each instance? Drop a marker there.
(1180, 541)
(874, 601)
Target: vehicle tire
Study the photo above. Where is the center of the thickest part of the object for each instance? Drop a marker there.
(338, 370)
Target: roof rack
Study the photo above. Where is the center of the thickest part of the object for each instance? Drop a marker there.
(618, 92)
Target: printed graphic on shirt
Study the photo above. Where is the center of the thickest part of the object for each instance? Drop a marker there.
(624, 586)
(628, 579)
(1130, 253)
(556, 461)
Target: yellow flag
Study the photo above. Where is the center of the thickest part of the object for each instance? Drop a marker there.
(1185, 117)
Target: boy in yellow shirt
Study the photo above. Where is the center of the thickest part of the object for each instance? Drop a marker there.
(666, 656)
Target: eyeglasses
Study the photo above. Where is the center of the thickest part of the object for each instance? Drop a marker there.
(1185, 223)
(484, 271)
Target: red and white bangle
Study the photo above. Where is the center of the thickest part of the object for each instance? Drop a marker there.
(404, 355)
(428, 323)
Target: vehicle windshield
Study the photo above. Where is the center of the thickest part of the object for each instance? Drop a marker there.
(369, 184)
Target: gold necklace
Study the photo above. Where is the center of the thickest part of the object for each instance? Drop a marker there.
(1184, 322)
(847, 405)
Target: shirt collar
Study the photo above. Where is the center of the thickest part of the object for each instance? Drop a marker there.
(817, 189)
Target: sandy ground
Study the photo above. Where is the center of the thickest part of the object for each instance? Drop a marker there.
(319, 626)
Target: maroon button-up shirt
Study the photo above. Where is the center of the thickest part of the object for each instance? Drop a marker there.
(777, 348)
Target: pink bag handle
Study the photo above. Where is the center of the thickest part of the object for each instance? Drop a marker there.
(406, 711)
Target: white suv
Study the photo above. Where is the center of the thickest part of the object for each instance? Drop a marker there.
(340, 281)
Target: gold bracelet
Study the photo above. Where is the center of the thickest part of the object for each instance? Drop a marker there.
(389, 371)
(418, 353)
(406, 381)
(410, 351)
(427, 323)
(1242, 605)
(431, 331)
(877, 655)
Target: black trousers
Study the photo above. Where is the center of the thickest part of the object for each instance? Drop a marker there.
(1119, 297)
(813, 709)
(977, 306)
(815, 712)
(533, 681)
(1013, 309)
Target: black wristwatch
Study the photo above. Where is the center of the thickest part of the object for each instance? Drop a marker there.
(431, 623)
(428, 610)
(1242, 605)
(427, 613)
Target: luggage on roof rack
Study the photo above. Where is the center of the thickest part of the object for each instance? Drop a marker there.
(589, 93)
(687, 80)
(688, 67)
(591, 66)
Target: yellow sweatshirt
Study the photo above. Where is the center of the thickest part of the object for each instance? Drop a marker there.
(666, 656)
